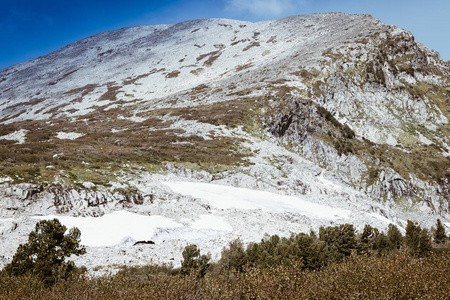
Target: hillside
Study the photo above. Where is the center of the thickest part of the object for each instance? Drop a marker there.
(322, 112)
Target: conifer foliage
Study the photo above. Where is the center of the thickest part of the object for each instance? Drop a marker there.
(45, 252)
(194, 262)
(418, 240)
(395, 237)
(439, 234)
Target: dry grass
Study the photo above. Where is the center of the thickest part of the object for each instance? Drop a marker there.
(173, 74)
(251, 45)
(243, 67)
(395, 276)
(212, 56)
(145, 144)
(111, 93)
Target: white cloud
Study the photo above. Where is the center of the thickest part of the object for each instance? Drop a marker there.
(262, 7)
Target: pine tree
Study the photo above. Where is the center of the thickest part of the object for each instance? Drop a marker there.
(424, 246)
(394, 237)
(45, 252)
(439, 234)
(366, 240)
(417, 239)
(340, 241)
(193, 261)
(233, 257)
(412, 236)
(381, 243)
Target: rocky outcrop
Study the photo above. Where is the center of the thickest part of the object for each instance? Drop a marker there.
(62, 199)
(16, 198)
(369, 99)
(92, 202)
(21, 191)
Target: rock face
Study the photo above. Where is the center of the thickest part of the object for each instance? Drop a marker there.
(338, 109)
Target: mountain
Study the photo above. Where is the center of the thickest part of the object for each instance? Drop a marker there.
(224, 129)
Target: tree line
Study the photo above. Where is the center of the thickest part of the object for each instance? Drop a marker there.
(316, 250)
(48, 246)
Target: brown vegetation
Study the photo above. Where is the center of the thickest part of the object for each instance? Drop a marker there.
(212, 56)
(145, 144)
(173, 74)
(394, 276)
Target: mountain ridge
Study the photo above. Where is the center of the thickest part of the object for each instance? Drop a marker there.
(336, 109)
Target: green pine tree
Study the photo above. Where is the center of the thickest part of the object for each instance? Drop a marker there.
(194, 262)
(366, 240)
(418, 240)
(233, 257)
(45, 252)
(424, 246)
(395, 237)
(439, 234)
(412, 236)
(340, 241)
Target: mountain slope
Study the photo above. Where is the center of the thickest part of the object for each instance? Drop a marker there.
(336, 109)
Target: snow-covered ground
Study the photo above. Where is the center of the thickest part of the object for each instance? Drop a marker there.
(208, 214)
(19, 136)
(114, 228)
(68, 135)
(227, 197)
(165, 60)
(122, 227)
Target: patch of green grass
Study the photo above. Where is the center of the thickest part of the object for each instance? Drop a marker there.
(99, 153)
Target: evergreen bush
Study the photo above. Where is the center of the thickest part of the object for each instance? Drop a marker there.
(45, 252)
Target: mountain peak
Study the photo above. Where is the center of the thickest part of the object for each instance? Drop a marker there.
(339, 111)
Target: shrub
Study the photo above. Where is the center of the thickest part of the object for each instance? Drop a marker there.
(193, 262)
(233, 257)
(395, 237)
(340, 240)
(45, 252)
(418, 240)
(412, 235)
(381, 243)
(366, 240)
(311, 250)
(424, 247)
(439, 234)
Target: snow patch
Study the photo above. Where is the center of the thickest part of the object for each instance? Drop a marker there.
(68, 135)
(423, 139)
(227, 197)
(117, 130)
(115, 228)
(88, 184)
(133, 119)
(379, 217)
(390, 140)
(212, 222)
(328, 183)
(19, 136)
(6, 179)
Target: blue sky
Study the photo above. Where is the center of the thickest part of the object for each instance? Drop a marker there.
(31, 28)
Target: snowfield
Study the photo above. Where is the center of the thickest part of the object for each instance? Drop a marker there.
(226, 197)
(115, 228)
(209, 215)
(125, 228)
